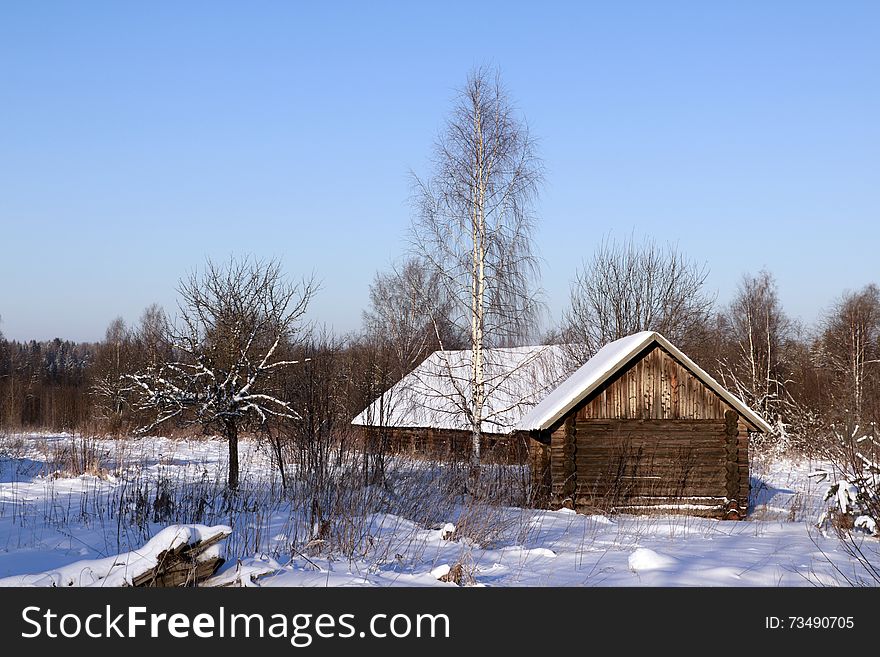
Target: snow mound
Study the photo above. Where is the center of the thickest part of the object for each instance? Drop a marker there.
(440, 571)
(542, 552)
(645, 559)
(866, 523)
(245, 572)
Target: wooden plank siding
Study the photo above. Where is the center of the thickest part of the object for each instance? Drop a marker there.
(653, 436)
(655, 387)
(563, 462)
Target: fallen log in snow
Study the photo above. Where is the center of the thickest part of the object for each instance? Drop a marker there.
(185, 565)
(179, 555)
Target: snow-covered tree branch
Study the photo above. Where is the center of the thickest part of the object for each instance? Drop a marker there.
(227, 350)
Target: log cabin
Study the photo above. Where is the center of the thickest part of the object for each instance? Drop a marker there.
(638, 428)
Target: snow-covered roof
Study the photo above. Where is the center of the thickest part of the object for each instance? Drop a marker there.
(526, 387)
(437, 392)
(609, 360)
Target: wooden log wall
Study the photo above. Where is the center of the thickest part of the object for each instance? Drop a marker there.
(653, 436)
(447, 444)
(624, 463)
(562, 462)
(542, 479)
(741, 483)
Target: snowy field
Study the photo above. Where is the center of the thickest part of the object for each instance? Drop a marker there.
(53, 524)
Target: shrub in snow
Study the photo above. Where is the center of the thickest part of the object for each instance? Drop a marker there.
(844, 493)
(854, 500)
(460, 576)
(848, 507)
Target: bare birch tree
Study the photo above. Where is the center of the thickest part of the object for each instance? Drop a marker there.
(474, 226)
(630, 287)
(225, 366)
(850, 347)
(757, 332)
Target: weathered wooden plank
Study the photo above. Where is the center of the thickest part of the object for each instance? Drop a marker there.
(655, 386)
(182, 565)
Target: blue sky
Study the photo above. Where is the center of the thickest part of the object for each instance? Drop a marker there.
(138, 139)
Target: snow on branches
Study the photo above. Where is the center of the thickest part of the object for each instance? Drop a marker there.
(235, 324)
(854, 499)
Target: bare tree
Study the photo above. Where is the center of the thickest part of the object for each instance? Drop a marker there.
(630, 287)
(850, 347)
(150, 336)
(224, 371)
(408, 315)
(474, 226)
(113, 359)
(757, 333)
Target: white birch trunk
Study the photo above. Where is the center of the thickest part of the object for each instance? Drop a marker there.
(478, 291)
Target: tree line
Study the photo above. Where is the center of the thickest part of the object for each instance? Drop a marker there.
(802, 378)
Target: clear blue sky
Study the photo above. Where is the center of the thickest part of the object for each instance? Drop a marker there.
(137, 139)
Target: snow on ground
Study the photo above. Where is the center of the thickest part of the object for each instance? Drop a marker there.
(50, 520)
